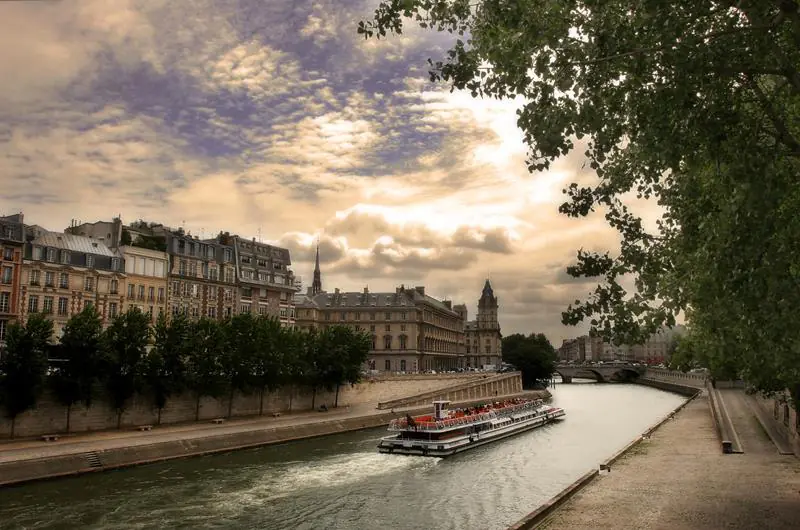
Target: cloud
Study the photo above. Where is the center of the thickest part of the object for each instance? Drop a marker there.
(276, 120)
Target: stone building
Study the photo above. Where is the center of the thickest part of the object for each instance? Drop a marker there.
(12, 240)
(266, 281)
(410, 330)
(201, 276)
(483, 341)
(65, 273)
(146, 282)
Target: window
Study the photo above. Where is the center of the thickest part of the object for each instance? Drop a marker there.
(37, 253)
(88, 284)
(358, 316)
(65, 257)
(388, 365)
(89, 260)
(228, 275)
(387, 342)
(283, 312)
(34, 277)
(160, 294)
(47, 304)
(244, 308)
(7, 275)
(151, 294)
(8, 254)
(212, 312)
(112, 310)
(132, 289)
(388, 327)
(182, 268)
(388, 316)
(343, 317)
(372, 316)
(327, 316)
(63, 305)
(402, 327)
(212, 274)
(114, 286)
(141, 292)
(51, 255)
(372, 328)
(5, 302)
(227, 254)
(262, 310)
(88, 304)
(402, 316)
(3, 325)
(33, 304)
(402, 365)
(403, 342)
(63, 280)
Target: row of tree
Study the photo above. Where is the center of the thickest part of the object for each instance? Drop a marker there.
(247, 354)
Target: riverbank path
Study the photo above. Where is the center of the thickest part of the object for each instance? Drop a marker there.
(680, 480)
(25, 449)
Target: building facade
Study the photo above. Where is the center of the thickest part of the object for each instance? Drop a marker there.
(410, 330)
(266, 280)
(146, 281)
(201, 276)
(484, 341)
(12, 241)
(62, 274)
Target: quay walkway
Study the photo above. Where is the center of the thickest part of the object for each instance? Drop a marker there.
(679, 479)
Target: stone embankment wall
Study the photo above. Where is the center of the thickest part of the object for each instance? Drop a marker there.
(49, 416)
(675, 376)
(484, 387)
(785, 415)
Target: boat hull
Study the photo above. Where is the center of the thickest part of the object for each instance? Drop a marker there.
(395, 445)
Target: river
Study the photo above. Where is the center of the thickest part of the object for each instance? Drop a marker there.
(341, 482)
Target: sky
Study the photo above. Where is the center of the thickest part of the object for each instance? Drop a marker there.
(273, 119)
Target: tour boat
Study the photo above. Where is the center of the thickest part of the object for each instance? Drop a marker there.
(447, 432)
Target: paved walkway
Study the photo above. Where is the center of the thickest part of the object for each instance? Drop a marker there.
(100, 441)
(679, 479)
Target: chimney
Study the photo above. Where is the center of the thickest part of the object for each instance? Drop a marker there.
(420, 289)
(448, 304)
(366, 290)
(336, 291)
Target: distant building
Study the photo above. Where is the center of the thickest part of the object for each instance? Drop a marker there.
(483, 340)
(146, 281)
(64, 273)
(410, 330)
(266, 280)
(12, 241)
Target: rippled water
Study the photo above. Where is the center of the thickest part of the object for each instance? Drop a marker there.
(341, 482)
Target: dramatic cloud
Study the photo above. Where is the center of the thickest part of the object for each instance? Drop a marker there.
(276, 120)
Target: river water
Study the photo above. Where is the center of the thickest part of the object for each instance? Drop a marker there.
(341, 482)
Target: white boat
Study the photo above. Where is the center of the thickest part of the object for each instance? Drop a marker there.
(447, 432)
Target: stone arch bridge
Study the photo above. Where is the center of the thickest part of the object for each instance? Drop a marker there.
(601, 373)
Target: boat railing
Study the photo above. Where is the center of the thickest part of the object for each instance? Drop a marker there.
(401, 424)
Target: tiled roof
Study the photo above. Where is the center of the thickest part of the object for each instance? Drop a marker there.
(74, 243)
(407, 298)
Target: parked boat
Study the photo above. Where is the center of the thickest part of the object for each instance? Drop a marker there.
(447, 432)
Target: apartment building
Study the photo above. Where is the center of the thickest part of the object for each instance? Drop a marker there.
(146, 282)
(12, 241)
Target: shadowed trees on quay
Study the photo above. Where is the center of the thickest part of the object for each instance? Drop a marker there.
(216, 358)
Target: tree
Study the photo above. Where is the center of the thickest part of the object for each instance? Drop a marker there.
(272, 356)
(240, 355)
(24, 365)
(80, 354)
(533, 355)
(166, 362)
(126, 341)
(295, 365)
(205, 370)
(342, 353)
(694, 105)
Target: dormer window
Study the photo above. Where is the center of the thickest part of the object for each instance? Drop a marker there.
(114, 264)
(51, 255)
(65, 257)
(89, 260)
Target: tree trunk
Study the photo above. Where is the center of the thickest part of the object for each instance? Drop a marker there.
(261, 403)
(119, 418)
(158, 421)
(197, 409)
(230, 403)
(313, 398)
(291, 395)
(13, 423)
(69, 414)
(336, 399)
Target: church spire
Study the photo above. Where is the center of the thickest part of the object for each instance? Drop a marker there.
(316, 287)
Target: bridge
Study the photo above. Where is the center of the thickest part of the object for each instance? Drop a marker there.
(601, 373)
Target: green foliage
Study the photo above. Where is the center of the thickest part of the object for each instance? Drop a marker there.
(533, 355)
(81, 355)
(126, 341)
(695, 105)
(206, 364)
(24, 365)
(126, 237)
(158, 243)
(341, 354)
(165, 370)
